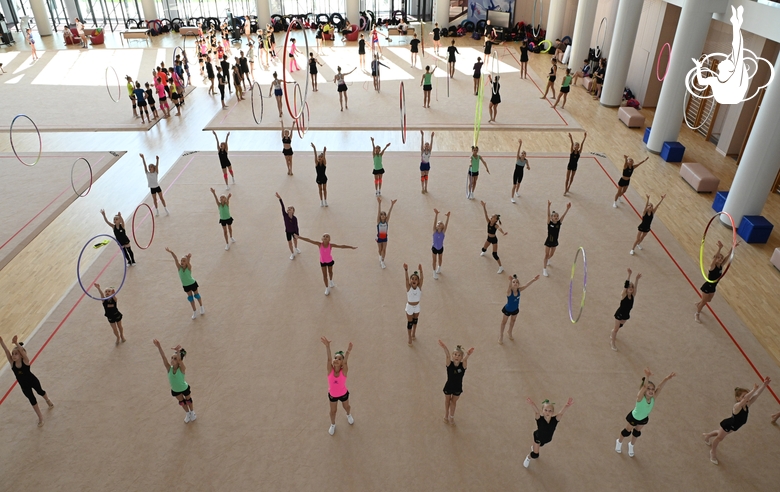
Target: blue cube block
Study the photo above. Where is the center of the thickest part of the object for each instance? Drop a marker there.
(672, 152)
(720, 200)
(647, 135)
(754, 229)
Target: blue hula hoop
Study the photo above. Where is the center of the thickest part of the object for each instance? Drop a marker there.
(78, 268)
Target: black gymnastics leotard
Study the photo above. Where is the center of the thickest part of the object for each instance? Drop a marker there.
(523, 54)
(647, 219)
(362, 47)
(321, 178)
(574, 158)
(312, 66)
(714, 275)
(436, 32)
(553, 229)
(454, 385)
(287, 151)
(496, 97)
(551, 75)
(224, 162)
(544, 430)
(111, 311)
(492, 238)
(451, 50)
(733, 423)
(625, 179)
(121, 235)
(624, 311)
(27, 382)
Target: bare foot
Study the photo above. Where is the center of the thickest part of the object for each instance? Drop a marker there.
(123, 340)
(446, 420)
(511, 337)
(500, 342)
(452, 420)
(40, 423)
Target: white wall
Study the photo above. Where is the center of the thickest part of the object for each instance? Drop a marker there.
(657, 26)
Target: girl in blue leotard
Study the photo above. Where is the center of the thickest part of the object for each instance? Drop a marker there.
(512, 306)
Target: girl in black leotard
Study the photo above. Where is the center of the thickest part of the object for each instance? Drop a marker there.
(451, 50)
(20, 365)
(121, 235)
(436, 33)
(456, 369)
(623, 313)
(625, 179)
(551, 79)
(739, 416)
(112, 313)
(553, 229)
(574, 157)
(224, 162)
(287, 150)
(524, 59)
(708, 288)
(546, 422)
(493, 224)
(322, 180)
(495, 98)
(362, 51)
(647, 219)
(313, 62)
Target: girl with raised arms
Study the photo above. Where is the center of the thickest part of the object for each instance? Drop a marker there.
(413, 295)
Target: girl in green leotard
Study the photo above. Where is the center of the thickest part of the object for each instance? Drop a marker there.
(377, 152)
(184, 266)
(425, 82)
(179, 387)
(225, 220)
(474, 170)
(639, 416)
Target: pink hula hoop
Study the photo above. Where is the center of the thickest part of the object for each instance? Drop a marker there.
(658, 62)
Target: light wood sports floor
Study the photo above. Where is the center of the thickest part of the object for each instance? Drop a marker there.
(260, 391)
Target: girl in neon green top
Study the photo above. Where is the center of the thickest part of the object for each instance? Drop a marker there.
(179, 387)
(564, 89)
(377, 152)
(639, 416)
(225, 220)
(130, 94)
(190, 286)
(425, 82)
(474, 171)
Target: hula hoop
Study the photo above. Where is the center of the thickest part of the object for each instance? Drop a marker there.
(733, 247)
(584, 283)
(118, 85)
(132, 228)
(685, 116)
(658, 62)
(11, 136)
(78, 267)
(533, 18)
(300, 123)
(448, 81)
(478, 109)
(252, 101)
(293, 21)
(173, 58)
(402, 95)
(604, 38)
(422, 39)
(542, 50)
(73, 185)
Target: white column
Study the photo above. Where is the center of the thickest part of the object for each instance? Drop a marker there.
(441, 14)
(264, 13)
(150, 9)
(583, 30)
(71, 10)
(693, 26)
(555, 19)
(41, 14)
(759, 164)
(353, 12)
(621, 48)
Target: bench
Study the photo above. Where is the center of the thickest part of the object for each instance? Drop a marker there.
(587, 83)
(394, 31)
(776, 258)
(699, 177)
(188, 31)
(136, 34)
(631, 117)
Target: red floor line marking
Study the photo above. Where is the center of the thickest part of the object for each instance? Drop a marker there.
(42, 210)
(83, 295)
(540, 91)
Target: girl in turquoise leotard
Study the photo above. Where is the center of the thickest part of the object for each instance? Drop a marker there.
(474, 170)
(179, 387)
(639, 416)
(377, 152)
(190, 286)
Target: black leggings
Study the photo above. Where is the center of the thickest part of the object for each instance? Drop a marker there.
(129, 256)
(28, 386)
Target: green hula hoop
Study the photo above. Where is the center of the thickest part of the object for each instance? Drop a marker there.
(478, 112)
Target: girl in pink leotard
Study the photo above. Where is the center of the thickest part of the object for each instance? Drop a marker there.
(337, 384)
(163, 96)
(326, 258)
(293, 51)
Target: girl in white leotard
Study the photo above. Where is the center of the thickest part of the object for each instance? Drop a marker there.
(425, 160)
(413, 295)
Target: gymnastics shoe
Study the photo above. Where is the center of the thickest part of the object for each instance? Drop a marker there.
(292, 257)
(297, 251)
(156, 212)
(513, 200)
(202, 310)
(614, 204)
(631, 252)
(350, 419)
(382, 263)
(639, 247)
(322, 203)
(166, 211)
(482, 253)
(327, 292)
(194, 314)
(331, 284)
(192, 416)
(630, 450)
(500, 270)
(227, 187)
(618, 446)
(527, 461)
(232, 240)
(325, 202)
(187, 419)
(332, 429)
(227, 247)
(438, 269)
(544, 272)
(435, 275)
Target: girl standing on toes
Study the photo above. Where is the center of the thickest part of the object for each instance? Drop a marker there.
(290, 228)
(474, 170)
(112, 313)
(152, 171)
(739, 417)
(495, 98)
(425, 160)
(382, 225)
(276, 89)
(436, 33)
(553, 229)
(190, 286)
(639, 416)
(362, 51)
(326, 258)
(320, 165)
(708, 288)
(31, 41)
(453, 388)
(341, 85)
(179, 387)
(523, 59)
(224, 162)
(574, 157)
(413, 295)
(225, 220)
(551, 79)
(493, 224)
(377, 152)
(477, 75)
(623, 314)
(625, 179)
(121, 236)
(512, 307)
(437, 250)
(287, 150)
(564, 92)
(20, 365)
(337, 384)
(425, 82)
(520, 164)
(546, 422)
(647, 219)
(451, 50)
(313, 62)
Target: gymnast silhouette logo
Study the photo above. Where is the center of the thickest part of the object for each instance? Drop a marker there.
(735, 71)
